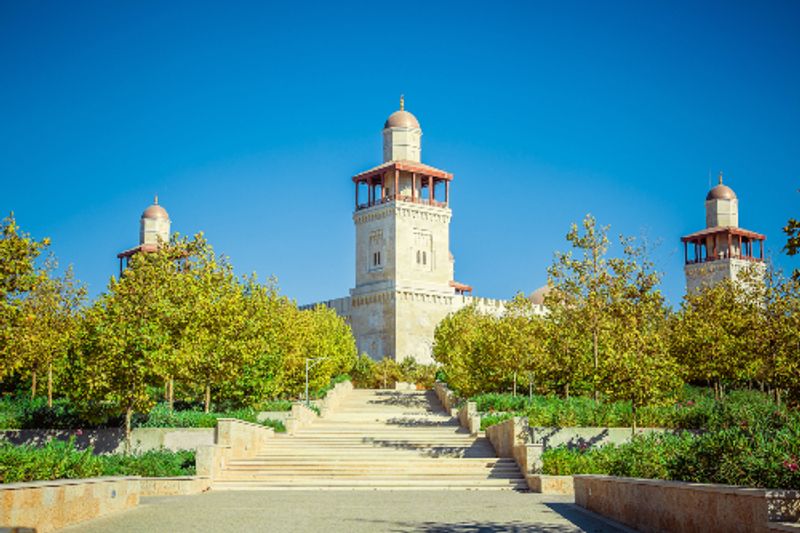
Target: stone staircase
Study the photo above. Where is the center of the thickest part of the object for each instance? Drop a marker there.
(377, 439)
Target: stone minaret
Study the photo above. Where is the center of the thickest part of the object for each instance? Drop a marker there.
(404, 275)
(154, 225)
(723, 249)
(154, 229)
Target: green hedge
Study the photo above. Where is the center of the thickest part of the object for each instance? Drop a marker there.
(162, 417)
(61, 460)
(693, 409)
(764, 455)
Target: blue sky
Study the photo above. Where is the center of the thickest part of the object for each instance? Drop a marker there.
(248, 120)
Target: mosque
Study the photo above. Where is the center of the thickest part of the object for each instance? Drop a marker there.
(405, 283)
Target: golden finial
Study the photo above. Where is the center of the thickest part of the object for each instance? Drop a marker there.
(155, 200)
(402, 103)
(720, 177)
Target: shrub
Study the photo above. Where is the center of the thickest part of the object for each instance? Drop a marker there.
(734, 455)
(55, 460)
(162, 417)
(490, 420)
(61, 460)
(154, 463)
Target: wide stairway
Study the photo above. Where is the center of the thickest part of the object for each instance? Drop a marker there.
(377, 439)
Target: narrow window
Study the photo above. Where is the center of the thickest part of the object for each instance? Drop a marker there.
(418, 257)
(424, 258)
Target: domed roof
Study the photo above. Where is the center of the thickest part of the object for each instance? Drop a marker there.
(721, 192)
(537, 297)
(401, 118)
(155, 211)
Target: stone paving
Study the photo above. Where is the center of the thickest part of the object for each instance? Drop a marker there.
(353, 512)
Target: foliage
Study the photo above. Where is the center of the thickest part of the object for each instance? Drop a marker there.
(55, 460)
(792, 247)
(495, 418)
(61, 460)
(161, 416)
(153, 463)
(19, 276)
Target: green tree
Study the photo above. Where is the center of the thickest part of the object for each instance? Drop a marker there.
(792, 231)
(215, 343)
(18, 276)
(581, 288)
(713, 332)
(123, 338)
(639, 367)
(51, 312)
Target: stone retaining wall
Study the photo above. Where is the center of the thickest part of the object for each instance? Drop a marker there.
(174, 486)
(446, 396)
(112, 440)
(334, 397)
(469, 418)
(50, 505)
(550, 484)
(650, 505)
(235, 439)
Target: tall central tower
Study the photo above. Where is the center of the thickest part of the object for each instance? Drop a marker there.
(404, 269)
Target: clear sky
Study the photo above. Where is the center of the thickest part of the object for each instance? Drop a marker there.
(249, 119)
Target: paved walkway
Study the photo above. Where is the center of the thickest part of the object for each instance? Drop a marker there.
(352, 512)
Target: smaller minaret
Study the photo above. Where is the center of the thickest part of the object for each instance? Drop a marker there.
(154, 225)
(722, 206)
(402, 136)
(154, 230)
(723, 249)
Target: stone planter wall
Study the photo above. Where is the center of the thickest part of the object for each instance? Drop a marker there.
(650, 505)
(234, 439)
(469, 418)
(446, 396)
(50, 505)
(174, 486)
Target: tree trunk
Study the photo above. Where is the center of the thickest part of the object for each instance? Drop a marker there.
(208, 398)
(633, 413)
(166, 389)
(778, 396)
(596, 364)
(50, 386)
(128, 415)
(566, 391)
(33, 385)
(171, 397)
(515, 385)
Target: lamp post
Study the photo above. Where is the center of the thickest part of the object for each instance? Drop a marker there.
(313, 361)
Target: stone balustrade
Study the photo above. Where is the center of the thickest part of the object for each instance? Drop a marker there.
(234, 439)
(302, 416)
(447, 397)
(651, 505)
(469, 418)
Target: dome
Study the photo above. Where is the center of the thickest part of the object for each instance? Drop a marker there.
(155, 211)
(537, 297)
(401, 118)
(721, 192)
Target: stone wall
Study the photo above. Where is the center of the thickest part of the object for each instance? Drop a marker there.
(174, 486)
(234, 439)
(550, 437)
(447, 397)
(50, 505)
(112, 440)
(469, 418)
(650, 505)
(334, 397)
